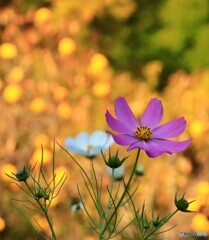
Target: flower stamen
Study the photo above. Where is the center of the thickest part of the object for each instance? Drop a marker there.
(143, 133)
(89, 148)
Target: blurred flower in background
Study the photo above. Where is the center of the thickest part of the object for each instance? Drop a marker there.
(116, 173)
(89, 145)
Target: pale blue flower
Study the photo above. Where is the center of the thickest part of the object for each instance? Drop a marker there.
(89, 145)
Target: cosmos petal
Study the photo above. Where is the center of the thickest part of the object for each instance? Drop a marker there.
(82, 140)
(152, 114)
(75, 149)
(109, 142)
(169, 146)
(98, 138)
(138, 144)
(123, 139)
(170, 129)
(69, 141)
(116, 125)
(96, 150)
(150, 149)
(125, 114)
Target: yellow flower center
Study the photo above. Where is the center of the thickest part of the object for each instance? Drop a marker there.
(89, 148)
(143, 133)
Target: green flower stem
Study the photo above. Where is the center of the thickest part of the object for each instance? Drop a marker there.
(101, 237)
(164, 221)
(44, 210)
(109, 199)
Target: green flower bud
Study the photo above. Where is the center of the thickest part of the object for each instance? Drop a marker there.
(139, 170)
(156, 222)
(42, 193)
(146, 224)
(113, 161)
(23, 174)
(39, 193)
(182, 204)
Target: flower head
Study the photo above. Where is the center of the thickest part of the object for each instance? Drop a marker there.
(89, 145)
(145, 133)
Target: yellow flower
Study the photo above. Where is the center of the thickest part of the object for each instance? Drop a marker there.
(97, 64)
(38, 105)
(66, 46)
(8, 51)
(12, 93)
(101, 89)
(42, 15)
(64, 110)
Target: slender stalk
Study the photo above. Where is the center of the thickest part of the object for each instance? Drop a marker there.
(101, 237)
(154, 230)
(45, 212)
(109, 200)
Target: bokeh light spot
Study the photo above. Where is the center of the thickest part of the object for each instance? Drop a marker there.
(66, 46)
(12, 93)
(8, 51)
(101, 89)
(98, 63)
(42, 16)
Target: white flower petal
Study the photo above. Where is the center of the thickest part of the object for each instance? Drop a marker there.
(69, 141)
(109, 142)
(98, 138)
(77, 150)
(82, 141)
(95, 150)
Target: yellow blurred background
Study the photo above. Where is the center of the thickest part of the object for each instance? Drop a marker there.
(56, 80)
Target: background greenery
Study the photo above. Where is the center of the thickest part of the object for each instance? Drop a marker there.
(64, 62)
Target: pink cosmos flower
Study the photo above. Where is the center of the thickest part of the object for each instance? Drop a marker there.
(145, 133)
